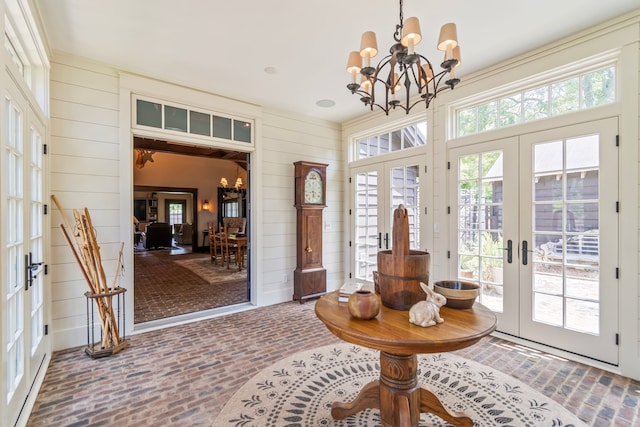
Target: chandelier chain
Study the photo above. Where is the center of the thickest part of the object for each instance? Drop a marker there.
(397, 36)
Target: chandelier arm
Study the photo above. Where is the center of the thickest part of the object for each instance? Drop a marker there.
(416, 79)
(437, 79)
(374, 103)
(407, 85)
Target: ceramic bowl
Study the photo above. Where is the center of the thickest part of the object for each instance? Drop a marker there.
(459, 294)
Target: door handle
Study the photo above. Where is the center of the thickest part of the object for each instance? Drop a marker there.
(525, 252)
(379, 240)
(29, 268)
(386, 240)
(509, 250)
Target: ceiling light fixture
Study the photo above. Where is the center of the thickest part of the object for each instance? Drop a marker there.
(382, 86)
(224, 183)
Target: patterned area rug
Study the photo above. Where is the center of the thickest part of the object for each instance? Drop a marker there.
(213, 273)
(299, 391)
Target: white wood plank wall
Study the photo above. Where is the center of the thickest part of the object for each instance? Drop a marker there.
(85, 173)
(287, 139)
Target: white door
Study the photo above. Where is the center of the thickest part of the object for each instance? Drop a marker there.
(399, 182)
(534, 223)
(569, 225)
(484, 224)
(22, 307)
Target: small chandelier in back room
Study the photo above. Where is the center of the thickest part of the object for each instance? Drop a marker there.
(404, 78)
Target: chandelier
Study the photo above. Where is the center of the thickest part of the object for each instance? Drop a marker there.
(224, 183)
(404, 78)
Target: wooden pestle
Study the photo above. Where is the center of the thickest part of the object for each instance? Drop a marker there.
(400, 238)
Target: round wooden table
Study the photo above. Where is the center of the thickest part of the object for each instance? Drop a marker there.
(397, 393)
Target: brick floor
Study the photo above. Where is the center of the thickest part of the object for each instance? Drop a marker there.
(166, 289)
(183, 376)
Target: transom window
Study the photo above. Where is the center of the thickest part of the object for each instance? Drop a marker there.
(182, 119)
(410, 136)
(26, 50)
(577, 92)
(15, 58)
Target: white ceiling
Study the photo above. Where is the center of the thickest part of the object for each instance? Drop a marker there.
(224, 47)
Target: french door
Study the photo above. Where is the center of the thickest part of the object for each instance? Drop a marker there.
(23, 306)
(536, 226)
(378, 190)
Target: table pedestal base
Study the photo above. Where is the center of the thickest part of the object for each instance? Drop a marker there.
(398, 396)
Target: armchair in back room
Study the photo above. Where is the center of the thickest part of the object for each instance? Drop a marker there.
(158, 235)
(184, 235)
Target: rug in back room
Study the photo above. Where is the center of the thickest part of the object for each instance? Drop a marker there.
(299, 391)
(211, 272)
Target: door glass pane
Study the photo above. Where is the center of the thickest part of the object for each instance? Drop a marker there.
(480, 223)
(176, 213)
(366, 238)
(36, 241)
(405, 190)
(566, 234)
(13, 277)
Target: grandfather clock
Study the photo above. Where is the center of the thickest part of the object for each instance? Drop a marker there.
(309, 277)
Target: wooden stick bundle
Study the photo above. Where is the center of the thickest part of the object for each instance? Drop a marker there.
(85, 248)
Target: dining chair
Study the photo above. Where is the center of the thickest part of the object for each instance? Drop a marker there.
(216, 249)
(228, 249)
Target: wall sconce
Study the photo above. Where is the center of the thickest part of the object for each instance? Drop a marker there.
(205, 205)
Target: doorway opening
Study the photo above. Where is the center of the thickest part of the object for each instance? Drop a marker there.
(177, 273)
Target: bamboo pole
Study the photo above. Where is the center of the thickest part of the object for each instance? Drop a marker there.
(86, 251)
(83, 268)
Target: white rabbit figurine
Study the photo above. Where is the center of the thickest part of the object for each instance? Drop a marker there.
(427, 313)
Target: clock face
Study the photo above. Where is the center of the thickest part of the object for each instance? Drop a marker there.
(313, 188)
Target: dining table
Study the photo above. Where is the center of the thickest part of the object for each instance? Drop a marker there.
(241, 242)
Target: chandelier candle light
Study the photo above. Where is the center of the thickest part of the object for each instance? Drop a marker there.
(403, 67)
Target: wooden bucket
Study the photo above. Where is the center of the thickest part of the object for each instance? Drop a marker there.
(398, 278)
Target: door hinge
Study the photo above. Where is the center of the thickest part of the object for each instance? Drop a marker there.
(46, 209)
(349, 211)
(617, 140)
(448, 165)
(349, 180)
(46, 269)
(448, 254)
(349, 275)
(425, 168)
(617, 339)
(349, 243)
(617, 207)
(46, 329)
(617, 273)
(45, 149)
(425, 210)
(448, 210)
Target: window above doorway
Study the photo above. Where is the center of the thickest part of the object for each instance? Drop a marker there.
(565, 94)
(410, 136)
(149, 113)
